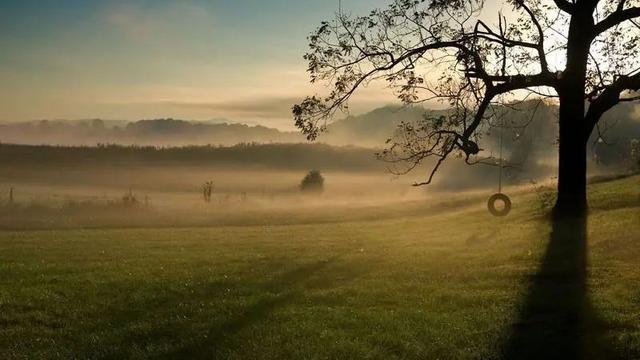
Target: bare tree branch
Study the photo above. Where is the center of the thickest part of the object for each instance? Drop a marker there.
(610, 97)
(619, 16)
(565, 6)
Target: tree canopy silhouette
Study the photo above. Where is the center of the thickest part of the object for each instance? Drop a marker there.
(583, 54)
(313, 182)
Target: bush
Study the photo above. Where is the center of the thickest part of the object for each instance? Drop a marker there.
(545, 196)
(634, 153)
(130, 199)
(313, 182)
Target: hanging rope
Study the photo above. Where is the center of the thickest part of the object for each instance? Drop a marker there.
(501, 157)
(499, 196)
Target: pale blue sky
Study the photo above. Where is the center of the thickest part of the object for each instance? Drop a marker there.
(192, 59)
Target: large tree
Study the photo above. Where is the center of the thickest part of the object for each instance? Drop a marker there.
(581, 53)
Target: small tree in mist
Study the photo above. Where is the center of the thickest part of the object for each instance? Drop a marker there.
(583, 54)
(130, 199)
(313, 182)
(207, 191)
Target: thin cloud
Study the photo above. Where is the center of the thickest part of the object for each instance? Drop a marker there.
(269, 108)
(261, 108)
(131, 21)
(160, 21)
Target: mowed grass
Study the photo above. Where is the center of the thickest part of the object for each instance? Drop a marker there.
(447, 285)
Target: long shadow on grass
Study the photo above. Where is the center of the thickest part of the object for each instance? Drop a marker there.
(557, 320)
(219, 341)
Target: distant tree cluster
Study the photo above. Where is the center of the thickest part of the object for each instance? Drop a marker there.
(275, 156)
(313, 182)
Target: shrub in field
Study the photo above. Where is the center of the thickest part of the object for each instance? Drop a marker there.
(545, 196)
(207, 191)
(634, 153)
(313, 182)
(130, 199)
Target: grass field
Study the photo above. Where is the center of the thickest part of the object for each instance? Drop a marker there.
(454, 284)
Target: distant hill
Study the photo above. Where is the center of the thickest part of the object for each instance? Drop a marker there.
(371, 129)
(157, 132)
(368, 130)
(179, 132)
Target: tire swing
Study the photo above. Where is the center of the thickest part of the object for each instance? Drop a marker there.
(494, 210)
(499, 197)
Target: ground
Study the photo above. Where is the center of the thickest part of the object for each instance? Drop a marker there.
(448, 284)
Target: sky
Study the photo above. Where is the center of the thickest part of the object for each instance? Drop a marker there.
(239, 60)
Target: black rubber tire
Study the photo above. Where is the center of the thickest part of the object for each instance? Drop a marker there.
(491, 204)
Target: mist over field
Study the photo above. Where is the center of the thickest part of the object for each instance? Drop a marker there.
(88, 166)
(247, 180)
(179, 156)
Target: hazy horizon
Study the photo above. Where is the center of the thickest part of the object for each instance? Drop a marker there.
(142, 59)
(131, 60)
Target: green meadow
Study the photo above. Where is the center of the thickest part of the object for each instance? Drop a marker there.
(387, 282)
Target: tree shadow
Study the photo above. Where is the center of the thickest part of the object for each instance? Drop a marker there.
(557, 320)
(220, 338)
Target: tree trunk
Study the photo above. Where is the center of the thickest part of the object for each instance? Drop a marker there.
(572, 163)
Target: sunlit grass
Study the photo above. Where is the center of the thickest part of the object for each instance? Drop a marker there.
(422, 285)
